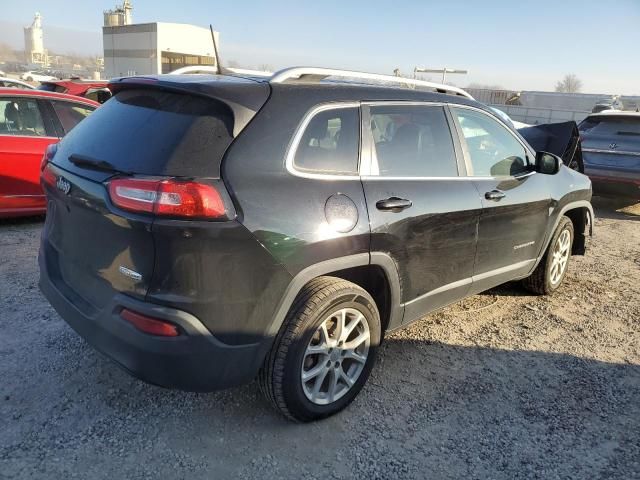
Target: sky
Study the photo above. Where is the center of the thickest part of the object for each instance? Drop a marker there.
(520, 45)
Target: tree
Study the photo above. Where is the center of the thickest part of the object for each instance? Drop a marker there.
(569, 84)
(265, 67)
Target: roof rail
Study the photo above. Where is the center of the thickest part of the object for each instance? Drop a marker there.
(214, 70)
(315, 74)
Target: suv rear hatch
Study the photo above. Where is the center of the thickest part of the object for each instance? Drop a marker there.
(155, 144)
(613, 142)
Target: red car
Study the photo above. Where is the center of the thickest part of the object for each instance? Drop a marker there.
(31, 120)
(92, 89)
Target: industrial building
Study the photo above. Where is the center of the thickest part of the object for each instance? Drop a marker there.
(152, 48)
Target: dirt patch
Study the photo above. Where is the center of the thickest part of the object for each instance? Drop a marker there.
(502, 385)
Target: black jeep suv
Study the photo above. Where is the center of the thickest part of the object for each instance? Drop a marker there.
(203, 230)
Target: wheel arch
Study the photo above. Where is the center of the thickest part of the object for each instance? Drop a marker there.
(581, 217)
(581, 214)
(375, 272)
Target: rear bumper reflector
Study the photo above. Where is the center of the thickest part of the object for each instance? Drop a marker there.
(152, 326)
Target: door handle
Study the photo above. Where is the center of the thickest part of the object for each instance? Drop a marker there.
(393, 204)
(495, 195)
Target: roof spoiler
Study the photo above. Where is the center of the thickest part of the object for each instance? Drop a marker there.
(244, 100)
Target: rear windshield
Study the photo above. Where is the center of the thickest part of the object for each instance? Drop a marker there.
(611, 125)
(154, 132)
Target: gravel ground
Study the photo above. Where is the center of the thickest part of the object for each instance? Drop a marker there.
(502, 385)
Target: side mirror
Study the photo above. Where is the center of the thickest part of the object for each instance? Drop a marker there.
(547, 163)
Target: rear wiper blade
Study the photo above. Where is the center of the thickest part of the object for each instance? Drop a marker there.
(92, 163)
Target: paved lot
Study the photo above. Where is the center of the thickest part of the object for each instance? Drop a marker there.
(502, 385)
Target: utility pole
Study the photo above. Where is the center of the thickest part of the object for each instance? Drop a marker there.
(443, 71)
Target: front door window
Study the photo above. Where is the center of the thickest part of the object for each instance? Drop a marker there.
(493, 150)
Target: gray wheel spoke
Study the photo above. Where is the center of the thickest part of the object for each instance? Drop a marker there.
(353, 355)
(346, 379)
(333, 385)
(318, 383)
(325, 334)
(356, 342)
(341, 320)
(317, 349)
(349, 328)
(314, 372)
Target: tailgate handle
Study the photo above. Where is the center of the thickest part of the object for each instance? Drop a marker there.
(393, 204)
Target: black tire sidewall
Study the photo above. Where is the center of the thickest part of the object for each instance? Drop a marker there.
(297, 402)
(565, 224)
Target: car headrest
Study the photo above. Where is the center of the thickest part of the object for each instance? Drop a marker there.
(11, 112)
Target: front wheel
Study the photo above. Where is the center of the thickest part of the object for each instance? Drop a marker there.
(324, 352)
(550, 272)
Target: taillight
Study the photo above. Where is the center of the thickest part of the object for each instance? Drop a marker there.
(47, 176)
(150, 325)
(172, 197)
(49, 152)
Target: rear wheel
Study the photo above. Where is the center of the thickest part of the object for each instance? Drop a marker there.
(550, 272)
(324, 352)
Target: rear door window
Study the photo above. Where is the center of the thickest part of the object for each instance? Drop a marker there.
(70, 114)
(99, 95)
(22, 117)
(412, 141)
(329, 143)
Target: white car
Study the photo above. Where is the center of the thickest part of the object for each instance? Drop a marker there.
(13, 83)
(517, 125)
(36, 76)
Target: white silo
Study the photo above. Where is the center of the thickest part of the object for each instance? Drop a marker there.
(127, 7)
(34, 41)
(119, 16)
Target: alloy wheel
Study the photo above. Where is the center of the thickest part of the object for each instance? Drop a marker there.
(335, 356)
(560, 257)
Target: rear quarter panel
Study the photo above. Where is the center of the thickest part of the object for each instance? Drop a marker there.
(286, 213)
(20, 159)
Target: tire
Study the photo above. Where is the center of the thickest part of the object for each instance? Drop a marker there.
(322, 302)
(545, 280)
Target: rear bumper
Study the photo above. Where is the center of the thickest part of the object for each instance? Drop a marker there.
(194, 361)
(604, 183)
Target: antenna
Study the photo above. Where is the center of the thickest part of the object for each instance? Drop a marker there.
(220, 69)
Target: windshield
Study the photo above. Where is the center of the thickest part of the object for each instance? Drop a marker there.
(605, 125)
